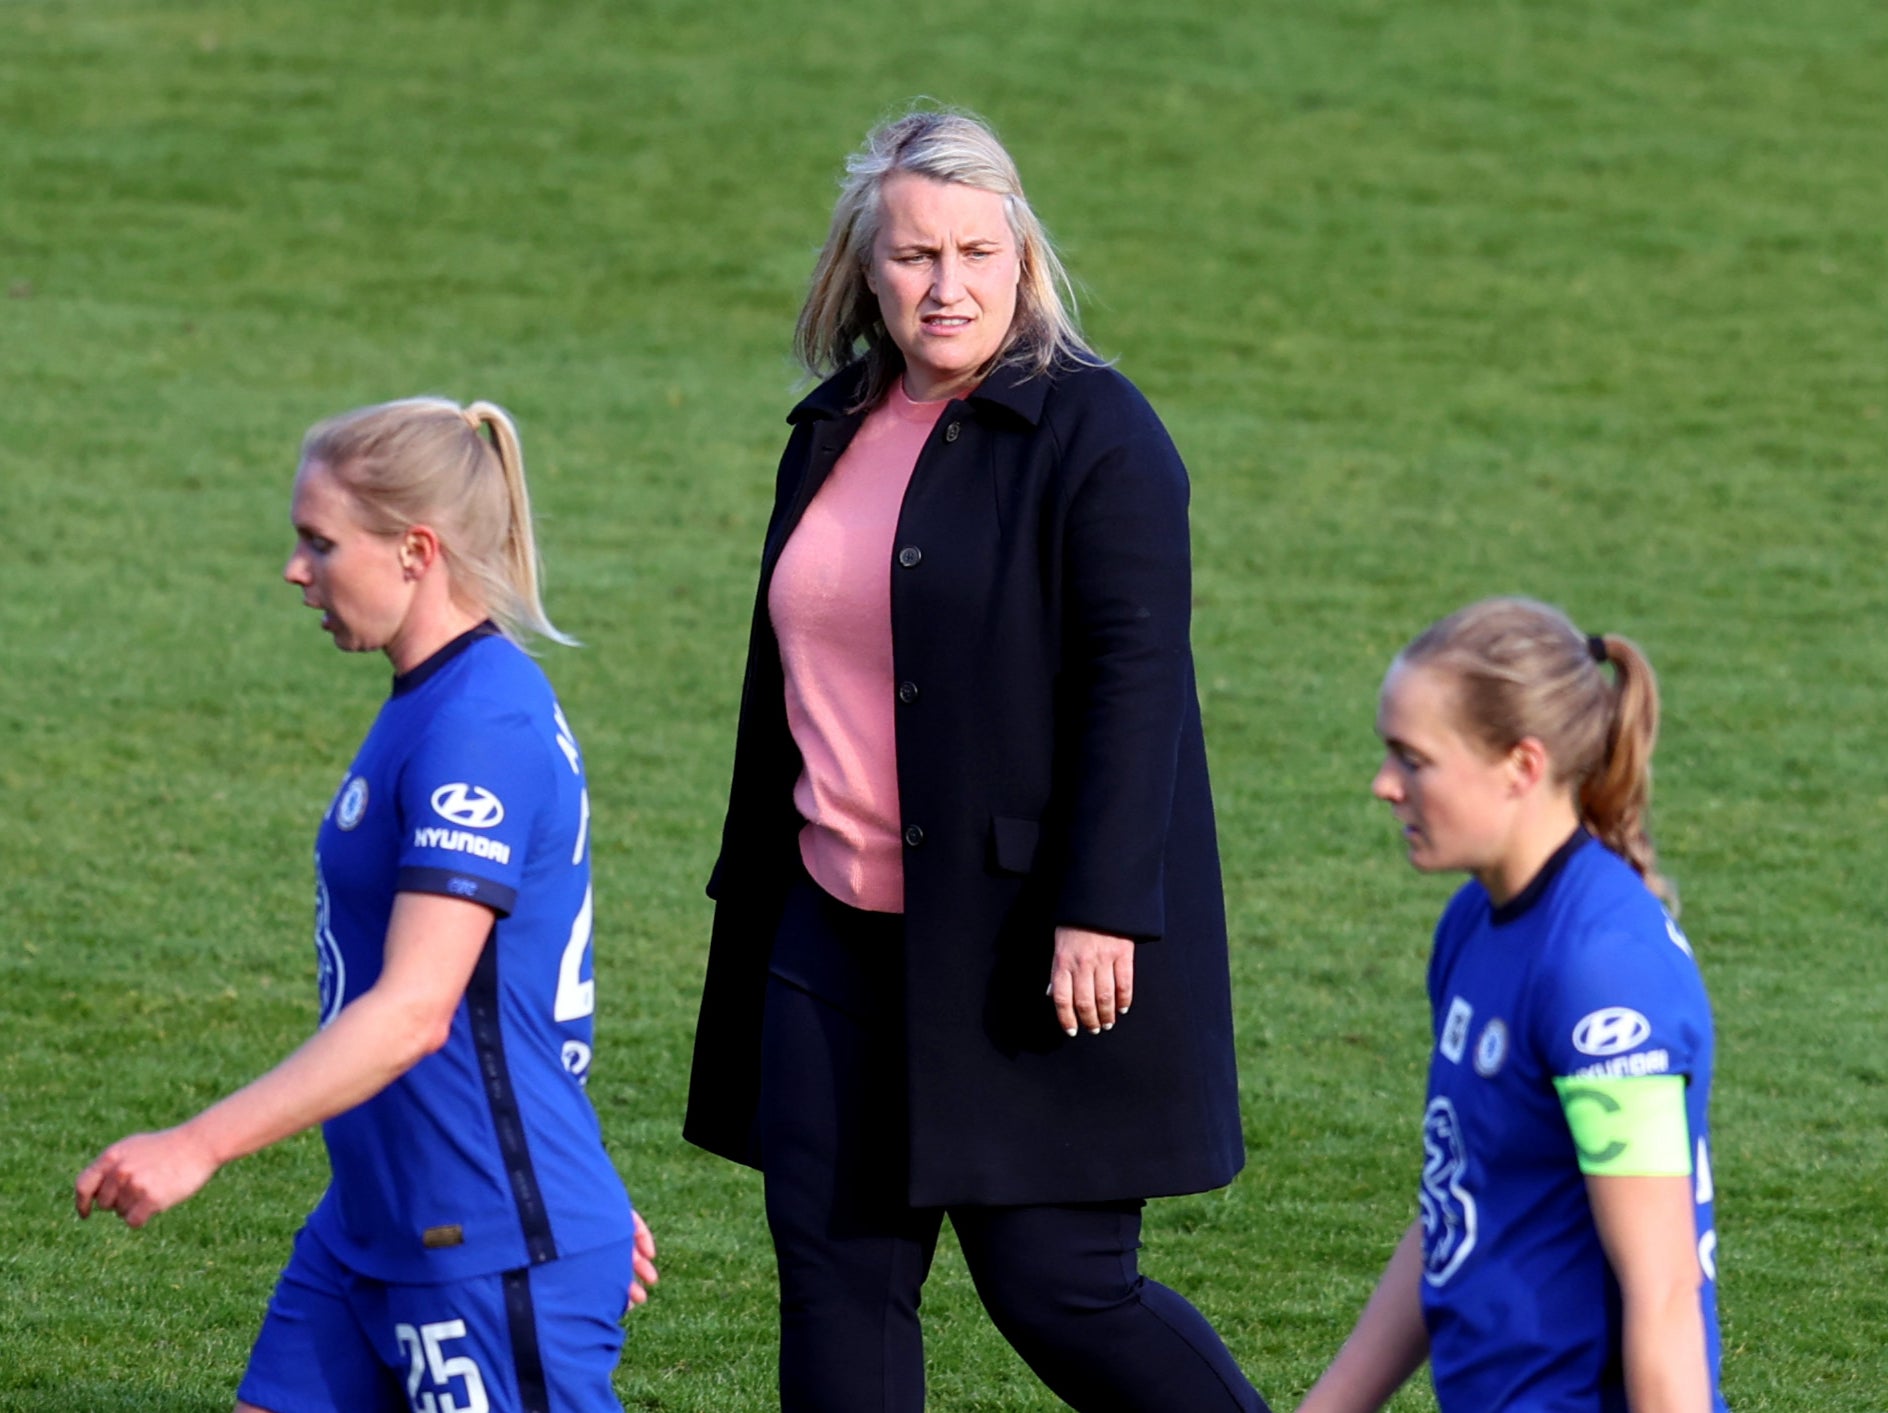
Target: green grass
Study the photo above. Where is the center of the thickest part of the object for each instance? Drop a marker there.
(1584, 300)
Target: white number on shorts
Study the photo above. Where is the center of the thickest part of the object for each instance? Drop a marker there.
(576, 998)
(428, 1363)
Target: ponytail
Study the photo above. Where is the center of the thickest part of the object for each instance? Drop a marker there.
(427, 460)
(1525, 670)
(519, 567)
(1615, 797)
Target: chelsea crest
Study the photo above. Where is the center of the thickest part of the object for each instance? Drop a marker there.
(351, 806)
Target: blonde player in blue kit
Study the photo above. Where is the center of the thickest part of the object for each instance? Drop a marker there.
(475, 1250)
(1564, 1260)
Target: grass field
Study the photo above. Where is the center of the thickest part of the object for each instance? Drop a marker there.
(1586, 300)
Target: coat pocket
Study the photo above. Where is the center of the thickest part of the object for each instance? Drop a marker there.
(1013, 843)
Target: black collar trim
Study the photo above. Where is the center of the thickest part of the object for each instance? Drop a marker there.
(1518, 905)
(404, 682)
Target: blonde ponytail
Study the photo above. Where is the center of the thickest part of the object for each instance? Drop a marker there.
(427, 460)
(519, 567)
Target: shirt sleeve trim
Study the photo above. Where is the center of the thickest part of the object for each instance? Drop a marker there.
(450, 883)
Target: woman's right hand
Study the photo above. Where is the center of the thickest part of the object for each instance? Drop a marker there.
(1091, 979)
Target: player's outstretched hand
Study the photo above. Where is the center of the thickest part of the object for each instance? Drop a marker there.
(147, 1173)
(644, 1262)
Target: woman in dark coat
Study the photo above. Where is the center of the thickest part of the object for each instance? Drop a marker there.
(969, 826)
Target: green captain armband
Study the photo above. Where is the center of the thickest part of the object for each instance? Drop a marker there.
(1629, 1126)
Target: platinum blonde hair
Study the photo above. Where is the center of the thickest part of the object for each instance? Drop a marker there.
(1522, 669)
(840, 320)
(458, 470)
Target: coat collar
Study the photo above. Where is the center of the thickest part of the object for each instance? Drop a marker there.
(1014, 390)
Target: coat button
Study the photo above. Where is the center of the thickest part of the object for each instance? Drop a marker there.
(909, 556)
(907, 691)
(952, 432)
(914, 836)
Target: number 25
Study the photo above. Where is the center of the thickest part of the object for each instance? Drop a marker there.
(427, 1358)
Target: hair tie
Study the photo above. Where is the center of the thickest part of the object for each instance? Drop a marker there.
(1596, 647)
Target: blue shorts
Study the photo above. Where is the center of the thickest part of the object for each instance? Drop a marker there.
(539, 1340)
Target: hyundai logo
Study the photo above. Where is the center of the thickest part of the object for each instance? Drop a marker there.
(1611, 1031)
(473, 806)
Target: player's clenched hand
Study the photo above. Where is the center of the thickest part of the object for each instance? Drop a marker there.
(147, 1173)
(644, 1261)
(1091, 980)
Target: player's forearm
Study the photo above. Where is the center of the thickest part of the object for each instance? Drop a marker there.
(1645, 1223)
(371, 1043)
(1664, 1351)
(1388, 1344)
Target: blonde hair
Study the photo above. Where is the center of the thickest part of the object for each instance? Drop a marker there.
(1523, 669)
(840, 319)
(429, 461)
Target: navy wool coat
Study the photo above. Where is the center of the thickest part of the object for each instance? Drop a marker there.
(1051, 770)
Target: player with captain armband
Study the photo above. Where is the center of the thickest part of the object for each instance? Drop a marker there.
(1564, 1257)
(475, 1251)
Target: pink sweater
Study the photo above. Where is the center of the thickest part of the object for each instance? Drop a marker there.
(831, 606)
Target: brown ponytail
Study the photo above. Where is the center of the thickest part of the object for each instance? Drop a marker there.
(1616, 796)
(1525, 670)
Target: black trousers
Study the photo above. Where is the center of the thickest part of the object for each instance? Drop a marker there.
(1062, 1283)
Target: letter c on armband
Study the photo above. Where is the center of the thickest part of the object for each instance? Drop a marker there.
(1630, 1126)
